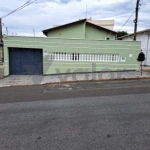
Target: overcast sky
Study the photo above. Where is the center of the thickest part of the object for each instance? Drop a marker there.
(43, 14)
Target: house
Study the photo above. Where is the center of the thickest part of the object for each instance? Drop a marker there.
(144, 37)
(81, 29)
(79, 46)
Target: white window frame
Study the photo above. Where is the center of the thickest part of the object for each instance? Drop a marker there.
(101, 57)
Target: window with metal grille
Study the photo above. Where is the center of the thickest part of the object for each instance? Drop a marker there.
(63, 56)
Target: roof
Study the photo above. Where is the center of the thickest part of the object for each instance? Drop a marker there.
(139, 32)
(82, 20)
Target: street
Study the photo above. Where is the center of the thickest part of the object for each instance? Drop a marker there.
(106, 115)
(73, 90)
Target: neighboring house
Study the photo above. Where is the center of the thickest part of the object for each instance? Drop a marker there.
(79, 46)
(108, 24)
(144, 37)
(81, 29)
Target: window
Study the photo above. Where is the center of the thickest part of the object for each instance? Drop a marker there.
(75, 56)
(60, 56)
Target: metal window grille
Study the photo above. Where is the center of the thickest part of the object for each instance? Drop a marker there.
(60, 56)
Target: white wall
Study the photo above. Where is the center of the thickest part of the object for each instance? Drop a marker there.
(145, 46)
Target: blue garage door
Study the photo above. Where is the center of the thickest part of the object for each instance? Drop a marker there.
(25, 61)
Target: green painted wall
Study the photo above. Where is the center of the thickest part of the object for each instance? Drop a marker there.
(123, 48)
(92, 32)
(76, 30)
(81, 30)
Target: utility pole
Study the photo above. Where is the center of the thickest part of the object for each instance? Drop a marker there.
(1, 41)
(136, 18)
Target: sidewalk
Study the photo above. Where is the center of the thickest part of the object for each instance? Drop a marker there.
(146, 69)
(24, 80)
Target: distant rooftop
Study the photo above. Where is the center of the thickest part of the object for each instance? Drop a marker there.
(147, 31)
(104, 24)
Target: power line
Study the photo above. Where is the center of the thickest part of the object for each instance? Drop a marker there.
(127, 21)
(132, 15)
(145, 6)
(19, 8)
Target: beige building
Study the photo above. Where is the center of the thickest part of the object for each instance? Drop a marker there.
(108, 24)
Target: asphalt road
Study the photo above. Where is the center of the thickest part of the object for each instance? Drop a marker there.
(84, 116)
(74, 90)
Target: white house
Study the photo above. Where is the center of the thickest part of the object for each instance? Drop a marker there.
(144, 37)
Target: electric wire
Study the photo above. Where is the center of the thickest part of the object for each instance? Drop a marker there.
(132, 15)
(19, 8)
(145, 6)
(126, 21)
(32, 1)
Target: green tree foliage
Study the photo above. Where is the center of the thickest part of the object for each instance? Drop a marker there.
(121, 33)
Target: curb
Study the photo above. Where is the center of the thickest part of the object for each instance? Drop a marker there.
(78, 81)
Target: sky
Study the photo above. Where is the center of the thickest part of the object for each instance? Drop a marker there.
(43, 14)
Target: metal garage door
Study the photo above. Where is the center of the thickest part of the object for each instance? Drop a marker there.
(25, 61)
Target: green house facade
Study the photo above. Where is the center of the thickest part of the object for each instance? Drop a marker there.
(82, 29)
(72, 48)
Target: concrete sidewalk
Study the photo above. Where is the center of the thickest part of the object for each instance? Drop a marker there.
(24, 80)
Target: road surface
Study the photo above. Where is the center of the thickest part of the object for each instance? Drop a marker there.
(83, 116)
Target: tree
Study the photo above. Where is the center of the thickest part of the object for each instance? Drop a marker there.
(121, 33)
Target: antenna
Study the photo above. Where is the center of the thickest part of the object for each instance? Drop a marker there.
(86, 11)
(7, 31)
(33, 32)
